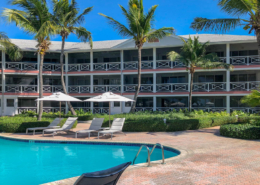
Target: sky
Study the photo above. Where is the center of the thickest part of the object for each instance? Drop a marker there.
(170, 13)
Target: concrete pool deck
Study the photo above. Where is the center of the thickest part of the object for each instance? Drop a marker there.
(209, 159)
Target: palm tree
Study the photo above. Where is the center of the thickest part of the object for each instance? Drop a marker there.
(67, 21)
(14, 54)
(236, 9)
(35, 19)
(192, 55)
(140, 29)
(253, 99)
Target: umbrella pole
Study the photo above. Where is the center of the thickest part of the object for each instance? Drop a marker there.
(109, 114)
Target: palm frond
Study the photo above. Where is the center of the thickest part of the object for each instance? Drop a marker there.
(80, 19)
(84, 35)
(160, 33)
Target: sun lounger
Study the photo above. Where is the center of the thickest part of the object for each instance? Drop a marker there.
(117, 126)
(96, 125)
(54, 124)
(65, 128)
(109, 176)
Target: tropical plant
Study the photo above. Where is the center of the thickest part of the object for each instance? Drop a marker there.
(35, 19)
(192, 55)
(237, 9)
(140, 29)
(68, 20)
(253, 99)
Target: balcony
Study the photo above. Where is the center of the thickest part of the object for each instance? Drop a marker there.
(79, 89)
(180, 87)
(143, 88)
(133, 65)
(100, 110)
(111, 66)
(14, 88)
(244, 86)
(78, 67)
(252, 110)
(245, 60)
(210, 109)
(52, 88)
(106, 88)
(162, 64)
(209, 87)
(21, 66)
(51, 67)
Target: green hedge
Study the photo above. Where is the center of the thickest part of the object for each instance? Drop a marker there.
(188, 124)
(218, 121)
(156, 125)
(248, 119)
(21, 127)
(242, 131)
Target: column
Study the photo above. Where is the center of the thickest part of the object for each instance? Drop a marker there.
(91, 107)
(122, 83)
(154, 58)
(228, 103)
(154, 82)
(91, 84)
(154, 103)
(122, 59)
(3, 84)
(67, 89)
(66, 55)
(228, 80)
(91, 60)
(228, 53)
(16, 105)
(189, 81)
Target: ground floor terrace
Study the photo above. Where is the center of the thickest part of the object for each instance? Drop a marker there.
(207, 158)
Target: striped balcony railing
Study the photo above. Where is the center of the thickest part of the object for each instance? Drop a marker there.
(134, 65)
(78, 67)
(181, 87)
(52, 88)
(162, 64)
(51, 67)
(99, 110)
(21, 88)
(106, 88)
(143, 88)
(245, 60)
(25, 109)
(107, 66)
(244, 86)
(79, 89)
(21, 66)
(53, 109)
(208, 87)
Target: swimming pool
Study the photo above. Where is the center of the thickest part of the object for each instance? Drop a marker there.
(26, 162)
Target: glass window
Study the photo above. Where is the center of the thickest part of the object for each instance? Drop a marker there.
(252, 77)
(242, 77)
(202, 79)
(174, 79)
(253, 52)
(234, 53)
(219, 78)
(116, 104)
(128, 104)
(10, 102)
(234, 78)
(209, 78)
(165, 80)
(243, 53)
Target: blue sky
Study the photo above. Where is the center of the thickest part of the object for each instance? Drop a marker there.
(176, 13)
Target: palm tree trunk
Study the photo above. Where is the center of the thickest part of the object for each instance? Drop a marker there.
(258, 41)
(191, 87)
(40, 89)
(62, 74)
(139, 78)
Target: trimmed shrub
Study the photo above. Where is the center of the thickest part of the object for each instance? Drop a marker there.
(21, 127)
(218, 121)
(248, 119)
(155, 125)
(242, 131)
(85, 118)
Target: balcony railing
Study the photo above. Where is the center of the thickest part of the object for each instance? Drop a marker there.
(244, 86)
(106, 88)
(21, 66)
(143, 88)
(210, 109)
(85, 109)
(134, 65)
(21, 88)
(142, 109)
(166, 109)
(107, 66)
(208, 87)
(79, 89)
(181, 87)
(245, 60)
(161, 64)
(25, 109)
(52, 89)
(53, 109)
(51, 67)
(254, 110)
(79, 67)
(99, 110)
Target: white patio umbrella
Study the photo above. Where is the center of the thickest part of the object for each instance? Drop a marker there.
(58, 96)
(108, 97)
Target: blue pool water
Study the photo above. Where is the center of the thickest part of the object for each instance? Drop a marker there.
(27, 163)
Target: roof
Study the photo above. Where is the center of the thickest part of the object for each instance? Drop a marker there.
(117, 44)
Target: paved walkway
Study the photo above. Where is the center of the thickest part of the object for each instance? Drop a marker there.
(210, 159)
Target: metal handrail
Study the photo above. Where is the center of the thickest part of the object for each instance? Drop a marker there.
(148, 159)
(154, 146)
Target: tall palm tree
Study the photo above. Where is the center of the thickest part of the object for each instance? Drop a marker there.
(35, 19)
(140, 29)
(236, 9)
(14, 54)
(192, 55)
(68, 20)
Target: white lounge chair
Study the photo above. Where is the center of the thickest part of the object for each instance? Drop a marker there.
(54, 124)
(65, 128)
(117, 126)
(96, 125)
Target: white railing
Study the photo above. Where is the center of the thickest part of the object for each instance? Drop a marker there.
(246, 109)
(107, 66)
(223, 59)
(142, 109)
(79, 88)
(166, 109)
(168, 64)
(106, 88)
(21, 66)
(143, 88)
(245, 60)
(79, 67)
(134, 65)
(52, 89)
(25, 109)
(85, 109)
(51, 67)
(172, 87)
(210, 109)
(99, 110)
(53, 109)
(212, 86)
(20, 88)
(244, 86)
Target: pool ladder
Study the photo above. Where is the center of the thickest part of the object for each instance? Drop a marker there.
(150, 153)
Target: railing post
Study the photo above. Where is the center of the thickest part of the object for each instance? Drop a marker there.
(248, 83)
(208, 86)
(247, 60)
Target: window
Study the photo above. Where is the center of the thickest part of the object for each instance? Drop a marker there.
(174, 102)
(210, 78)
(174, 79)
(144, 80)
(27, 103)
(144, 102)
(243, 53)
(10, 102)
(208, 102)
(236, 102)
(242, 77)
(116, 104)
(128, 104)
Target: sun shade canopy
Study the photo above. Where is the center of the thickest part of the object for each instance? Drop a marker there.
(58, 97)
(108, 97)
